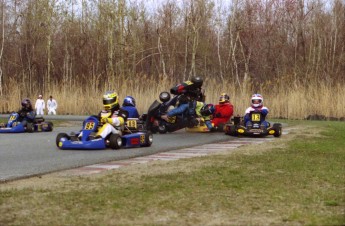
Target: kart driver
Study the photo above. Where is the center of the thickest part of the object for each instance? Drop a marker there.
(188, 107)
(26, 113)
(223, 111)
(129, 106)
(256, 106)
(112, 117)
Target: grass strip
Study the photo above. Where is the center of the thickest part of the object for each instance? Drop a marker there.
(297, 179)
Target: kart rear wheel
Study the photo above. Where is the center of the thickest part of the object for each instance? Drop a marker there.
(148, 139)
(50, 126)
(231, 130)
(277, 127)
(59, 136)
(29, 127)
(115, 141)
(162, 129)
(47, 126)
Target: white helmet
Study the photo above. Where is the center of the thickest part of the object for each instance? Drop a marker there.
(257, 100)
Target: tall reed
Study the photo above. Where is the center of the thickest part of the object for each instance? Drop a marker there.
(284, 99)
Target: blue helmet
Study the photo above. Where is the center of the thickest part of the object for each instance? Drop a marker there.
(128, 101)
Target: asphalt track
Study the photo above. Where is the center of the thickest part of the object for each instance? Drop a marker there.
(30, 154)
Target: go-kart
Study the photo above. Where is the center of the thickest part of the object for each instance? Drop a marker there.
(14, 125)
(254, 127)
(133, 135)
(155, 123)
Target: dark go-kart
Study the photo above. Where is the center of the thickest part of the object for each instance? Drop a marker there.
(155, 123)
(254, 128)
(14, 125)
(133, 135)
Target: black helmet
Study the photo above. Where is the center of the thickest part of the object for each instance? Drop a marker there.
(198, 81)
(26, 103)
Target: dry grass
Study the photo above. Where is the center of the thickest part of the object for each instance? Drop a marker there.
(283, 98)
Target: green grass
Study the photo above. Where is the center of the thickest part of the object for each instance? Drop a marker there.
(298, 182)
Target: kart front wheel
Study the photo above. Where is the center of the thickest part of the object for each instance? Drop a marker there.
(148, 139)
(162, 129)
(29, 127)
(115, 141)
(59, 137)
(277, 127)
(231, 130)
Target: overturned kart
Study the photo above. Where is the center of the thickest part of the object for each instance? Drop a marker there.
(155, 123)
(255, 127)
(133, 135)
(14, 125)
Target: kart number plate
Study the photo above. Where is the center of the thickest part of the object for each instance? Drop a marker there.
(142, 139)
(256, 117)
(256, 131)
(132, 123)
(89, 126)
(13, 117)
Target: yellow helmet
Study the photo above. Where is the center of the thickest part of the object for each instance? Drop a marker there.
(110, 100)
(224, 98)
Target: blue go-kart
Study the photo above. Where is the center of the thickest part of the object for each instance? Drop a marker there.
(14, 125)
(132, 136)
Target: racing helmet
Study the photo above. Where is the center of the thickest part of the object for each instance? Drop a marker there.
(26, 103)
(110, 101)
(257, 100)
(207, 109)
(129, 101)
(223, 98)
(198, 81)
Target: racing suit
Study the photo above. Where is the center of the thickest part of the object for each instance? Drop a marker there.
(113, 122)
(187, 110)
(264, 112)
(132, 111)
(222, 113)
(26, 115)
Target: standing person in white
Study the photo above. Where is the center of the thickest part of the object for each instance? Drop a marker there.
(51, 105)
(40, 105)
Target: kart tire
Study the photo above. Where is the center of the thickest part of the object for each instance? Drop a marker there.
(277, 127)
(162, 129)
(220, 127)
(164, 97)
(148, 139)
(29, 127)
(49, 127)
(231, 130)
(115, 141)
(59, 136)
